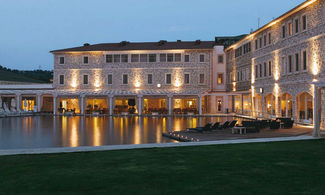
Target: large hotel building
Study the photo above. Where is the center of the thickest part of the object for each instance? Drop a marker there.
(275, 71)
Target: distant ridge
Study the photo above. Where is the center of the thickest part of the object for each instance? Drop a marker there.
(30, 76)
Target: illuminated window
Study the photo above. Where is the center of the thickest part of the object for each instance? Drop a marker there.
(290, 29)
(125, 79)
(61, 60)
(85, 59)
(220, 79)
(178, 57)
(110, 79)
(187, 78)
(187, 58)
(202, 79)
(150, 79)
(85, 80)
(152, 57)
(168, 79)
(109, 58)
(135, 58)
(61, 79)
(124, 58)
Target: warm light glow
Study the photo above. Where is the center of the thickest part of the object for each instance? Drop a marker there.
(97, 77)
(74, 78)
(177, 83)
(276, 67)
(234, 86)
(158, 85)
(276, 89)
(137, 84)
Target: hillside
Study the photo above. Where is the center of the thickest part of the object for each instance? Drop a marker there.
(31, 76)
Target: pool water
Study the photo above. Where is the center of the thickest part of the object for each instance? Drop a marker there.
(74, 131)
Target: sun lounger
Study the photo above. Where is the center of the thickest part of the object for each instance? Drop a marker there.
(232, 124)
(207, 127)
(224, 126)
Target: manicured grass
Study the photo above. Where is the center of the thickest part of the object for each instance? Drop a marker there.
(265, 168)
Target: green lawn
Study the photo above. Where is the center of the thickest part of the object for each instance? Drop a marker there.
(264, 168)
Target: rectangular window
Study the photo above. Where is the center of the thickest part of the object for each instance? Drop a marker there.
(265, 69)
(296, 26)
(284, 67)
(134, 57)
(290, 63)
(170, 57)
(152, 57)
(220, 79)
(283, 31)
(109, 58)
(270, 68)
(202, 79)
(125, 79)
(61, 79)
(186, 78)
(220, 59)
(124, 58)
(163, 57)
(237, 76)
(117, 58)
(256, 44)
(270, 38)
(260, 70)
(264, 40)
(178, 57)
(168, 79)
(241, 75)
(110, 79)
(149, 79)
(290, 29)
(61, 60)
(85, 80)
(202, 58)
(256, 71)
(143, 57)
(304, 22)
(261, 42)
(304, 59)
(85, 59)
(297, 62)
(187, 58)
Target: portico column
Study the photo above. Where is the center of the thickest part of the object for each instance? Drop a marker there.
(317, 111)
(294, 109)
(200, 105)
(111, 104)
(55, 109)
(277, 110)
(242, 104)
(306, 116)
(39, 96)
(82, 104)
(170, 111)
(287, 110)
(18, 95)
(226, 103)
(213, 107)
(140, 105)
(263, 106)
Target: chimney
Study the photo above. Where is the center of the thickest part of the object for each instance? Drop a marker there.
(197, 42)
(86, 44)
(162, 42)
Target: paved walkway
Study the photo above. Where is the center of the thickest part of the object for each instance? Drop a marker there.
(141, 146)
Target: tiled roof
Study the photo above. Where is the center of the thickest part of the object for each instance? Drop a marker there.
(125, 45)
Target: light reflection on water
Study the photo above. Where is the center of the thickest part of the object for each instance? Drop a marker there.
(49, 131)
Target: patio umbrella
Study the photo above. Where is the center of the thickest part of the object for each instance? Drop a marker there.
(13, 103)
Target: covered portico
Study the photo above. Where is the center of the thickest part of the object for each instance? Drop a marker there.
(143, 101)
